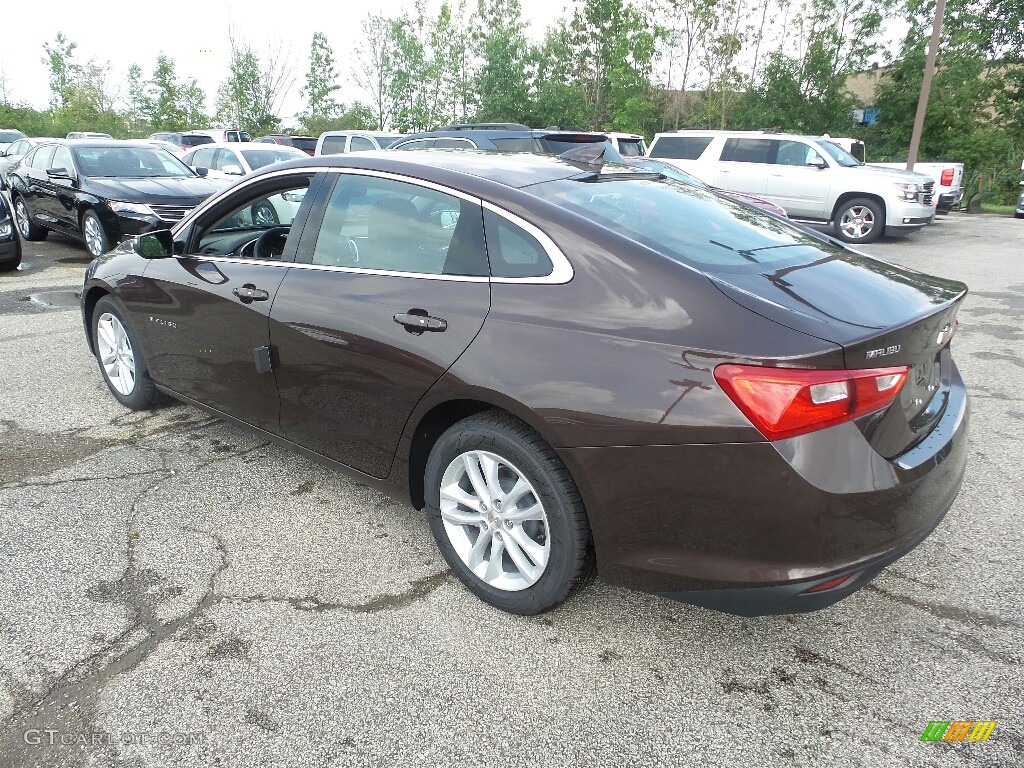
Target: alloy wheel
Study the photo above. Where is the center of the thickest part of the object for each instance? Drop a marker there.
(116, 354)
(93, 236)
(21, 214)
(857, 222)
(495, 520)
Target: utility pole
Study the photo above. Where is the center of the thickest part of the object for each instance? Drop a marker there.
(926, 85)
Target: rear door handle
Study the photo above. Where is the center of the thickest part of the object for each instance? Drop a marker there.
(415, 322)
(249, 293)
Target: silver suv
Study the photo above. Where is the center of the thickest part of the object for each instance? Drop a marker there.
(810, 177)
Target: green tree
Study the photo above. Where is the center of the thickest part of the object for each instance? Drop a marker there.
(251, 96)
(63, 68)
(503, 80)
(163, 97)
(321, 84)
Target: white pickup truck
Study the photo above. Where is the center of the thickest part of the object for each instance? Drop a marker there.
(948, 176)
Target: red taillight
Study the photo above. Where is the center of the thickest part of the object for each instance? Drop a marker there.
(829, 584)
(785, 402)
(947, 177)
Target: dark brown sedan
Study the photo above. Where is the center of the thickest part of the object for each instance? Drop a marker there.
(571, 368)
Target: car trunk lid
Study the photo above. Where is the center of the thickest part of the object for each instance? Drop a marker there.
(883, 315)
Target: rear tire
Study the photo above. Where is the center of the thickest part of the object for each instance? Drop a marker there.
(859, 220)
(28, 229)
(121, 359)
(506, 515)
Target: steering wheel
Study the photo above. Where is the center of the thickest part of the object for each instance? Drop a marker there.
(270, 245)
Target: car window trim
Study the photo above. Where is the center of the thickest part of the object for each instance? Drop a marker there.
(561, 271)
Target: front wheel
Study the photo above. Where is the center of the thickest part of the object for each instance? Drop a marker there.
(506, 515)
(96, 240)
(121, 359)
(859, 220)
(26, 226)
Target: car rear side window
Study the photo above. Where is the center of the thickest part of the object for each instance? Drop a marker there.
(521, 144)
(394, 226)
(416, 144)
(361, 144)
(680, 147)
(332, 145)
(453, 144)
(41, 157)
(749, 150)
(512, 251)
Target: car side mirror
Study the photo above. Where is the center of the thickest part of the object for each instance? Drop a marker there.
(59, 173)
(202, 172)
(233, 170)
(154, 245)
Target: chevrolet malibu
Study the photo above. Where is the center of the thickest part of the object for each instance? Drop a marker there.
(571, 368)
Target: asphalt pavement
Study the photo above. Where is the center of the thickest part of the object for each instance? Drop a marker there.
(176, 592)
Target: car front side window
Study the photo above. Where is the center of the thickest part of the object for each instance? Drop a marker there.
(389, 225)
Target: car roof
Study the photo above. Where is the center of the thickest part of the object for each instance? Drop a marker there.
(462, 168)
(260, 145)
(498, 133)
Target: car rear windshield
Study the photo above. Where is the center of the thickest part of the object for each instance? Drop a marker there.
(134, 162)
(301, 143)
(631, 147)
(195, 141)
(689, 224)
(257, 158)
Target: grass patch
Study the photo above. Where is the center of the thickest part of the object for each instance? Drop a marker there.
(1004, 210)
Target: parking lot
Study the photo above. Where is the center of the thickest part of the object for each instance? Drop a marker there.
(176, 592)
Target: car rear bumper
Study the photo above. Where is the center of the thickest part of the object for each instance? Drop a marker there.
(749, 528)
(949, 200)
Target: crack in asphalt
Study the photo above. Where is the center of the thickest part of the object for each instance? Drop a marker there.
(91, 478)
(70, 703)
(964, 616)
(418, 589)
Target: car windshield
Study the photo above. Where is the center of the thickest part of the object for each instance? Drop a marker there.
(9, 137)
(838, 154)
(257, 158)
(688, 224)
(130, 162)
(386, 141)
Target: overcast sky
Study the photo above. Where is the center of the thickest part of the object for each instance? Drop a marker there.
(195, 36)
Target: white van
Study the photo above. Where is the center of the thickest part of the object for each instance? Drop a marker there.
(810, 177)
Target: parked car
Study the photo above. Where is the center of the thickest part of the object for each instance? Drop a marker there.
(88, 135)
(101, 190)
(184, 140)
(563, 364)
(812, 178)
(10, 243)
(306, 143)
(671, 172)
(9, 136)
(504, 137)
(227, 162)
(1019, 213)
(343, 142)
(12, 153)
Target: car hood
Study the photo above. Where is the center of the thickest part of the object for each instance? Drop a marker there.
(154, 190)
(843, 297)
(895, 175)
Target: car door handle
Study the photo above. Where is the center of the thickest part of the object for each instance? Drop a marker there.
(418, 322)
(249, 293)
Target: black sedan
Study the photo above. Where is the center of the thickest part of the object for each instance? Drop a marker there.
(102, 190)
(10, 245)
(566, 365)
